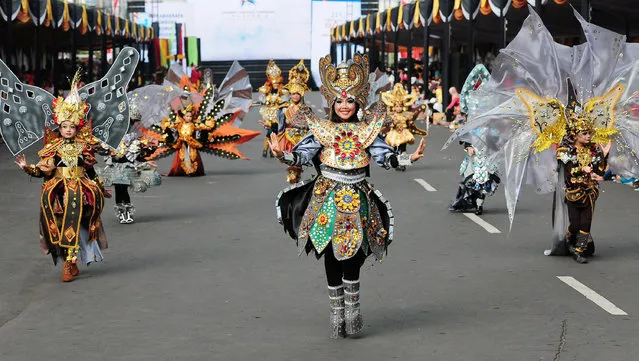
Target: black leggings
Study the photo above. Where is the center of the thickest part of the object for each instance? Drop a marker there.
(580, 217)
(122, 193)
(347, 269)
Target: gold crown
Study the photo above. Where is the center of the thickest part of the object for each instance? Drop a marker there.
(347, 80)
(273, 72)
(188, 109)
(72, 108)
(297, 78)
(398, 96)
(580, 124)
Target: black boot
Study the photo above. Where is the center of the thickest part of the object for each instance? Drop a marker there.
(590, 247)
(580, 247)
(479, 211)
(264, 153)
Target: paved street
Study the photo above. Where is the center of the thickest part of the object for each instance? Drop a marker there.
(206, 273)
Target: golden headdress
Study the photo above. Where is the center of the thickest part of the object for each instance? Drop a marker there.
(297, 78)
(347, 80)
(188, 109)
(596, 117)
(72, 108)
(551, 120)
(398, 96)
(273, 72)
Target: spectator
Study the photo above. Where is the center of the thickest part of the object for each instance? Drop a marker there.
(195, 75)
(452, 108)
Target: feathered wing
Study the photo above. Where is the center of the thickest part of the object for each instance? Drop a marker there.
(608, 84)
(623, 129)
(156, 134)
(236, 88)
(380, 83)
(154, 102)
(477, 77)
(177, 77)
(501, 124)
(224, 137)
(25, 111)
(107, 98)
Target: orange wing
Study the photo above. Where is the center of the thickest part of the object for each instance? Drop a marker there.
(224, 138)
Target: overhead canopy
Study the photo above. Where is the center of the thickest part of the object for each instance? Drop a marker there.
(616, 15)
(60, 14)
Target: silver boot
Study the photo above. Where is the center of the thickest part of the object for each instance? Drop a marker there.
(129, 210)
(336, 297)
(120, 212)
(354, 322)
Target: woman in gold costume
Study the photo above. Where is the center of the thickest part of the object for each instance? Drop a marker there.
(402, 129)
(271, 100)
(293, 127)
(72, 195)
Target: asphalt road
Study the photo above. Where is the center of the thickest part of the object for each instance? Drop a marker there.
(206, 273)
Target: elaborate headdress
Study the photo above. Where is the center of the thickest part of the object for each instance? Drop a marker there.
(398, 96)
(347, 80)
(273, 72)
(188, 109)
(551, 120)
(597, 116)
(297, 78)
(72, 108)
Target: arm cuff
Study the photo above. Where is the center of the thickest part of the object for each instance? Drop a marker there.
(289, 158)
(404, 159)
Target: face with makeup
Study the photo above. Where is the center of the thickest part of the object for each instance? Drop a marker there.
(583, 137)
(345, 108)
(68, 130)
(398, 108)
(188, 117)
(296, 98)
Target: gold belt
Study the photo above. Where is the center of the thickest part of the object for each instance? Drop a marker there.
(70, 172)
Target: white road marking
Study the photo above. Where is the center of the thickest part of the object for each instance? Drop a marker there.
(425, 184)
(483, 224)
(598, 299)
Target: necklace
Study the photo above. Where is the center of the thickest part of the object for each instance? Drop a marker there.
(69, 152)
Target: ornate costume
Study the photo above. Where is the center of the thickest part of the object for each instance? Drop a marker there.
(478, 180)
(270, 112)
(72, 196)
(339, 214)
(292, 126)
(402, 129)
(577, 164)
(126, 167)
(207, 125)
(518, 119)
(271, 100)
(478, 177)
(274, 79)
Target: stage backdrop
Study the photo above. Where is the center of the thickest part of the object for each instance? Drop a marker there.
(251, 29)
(327, 14)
